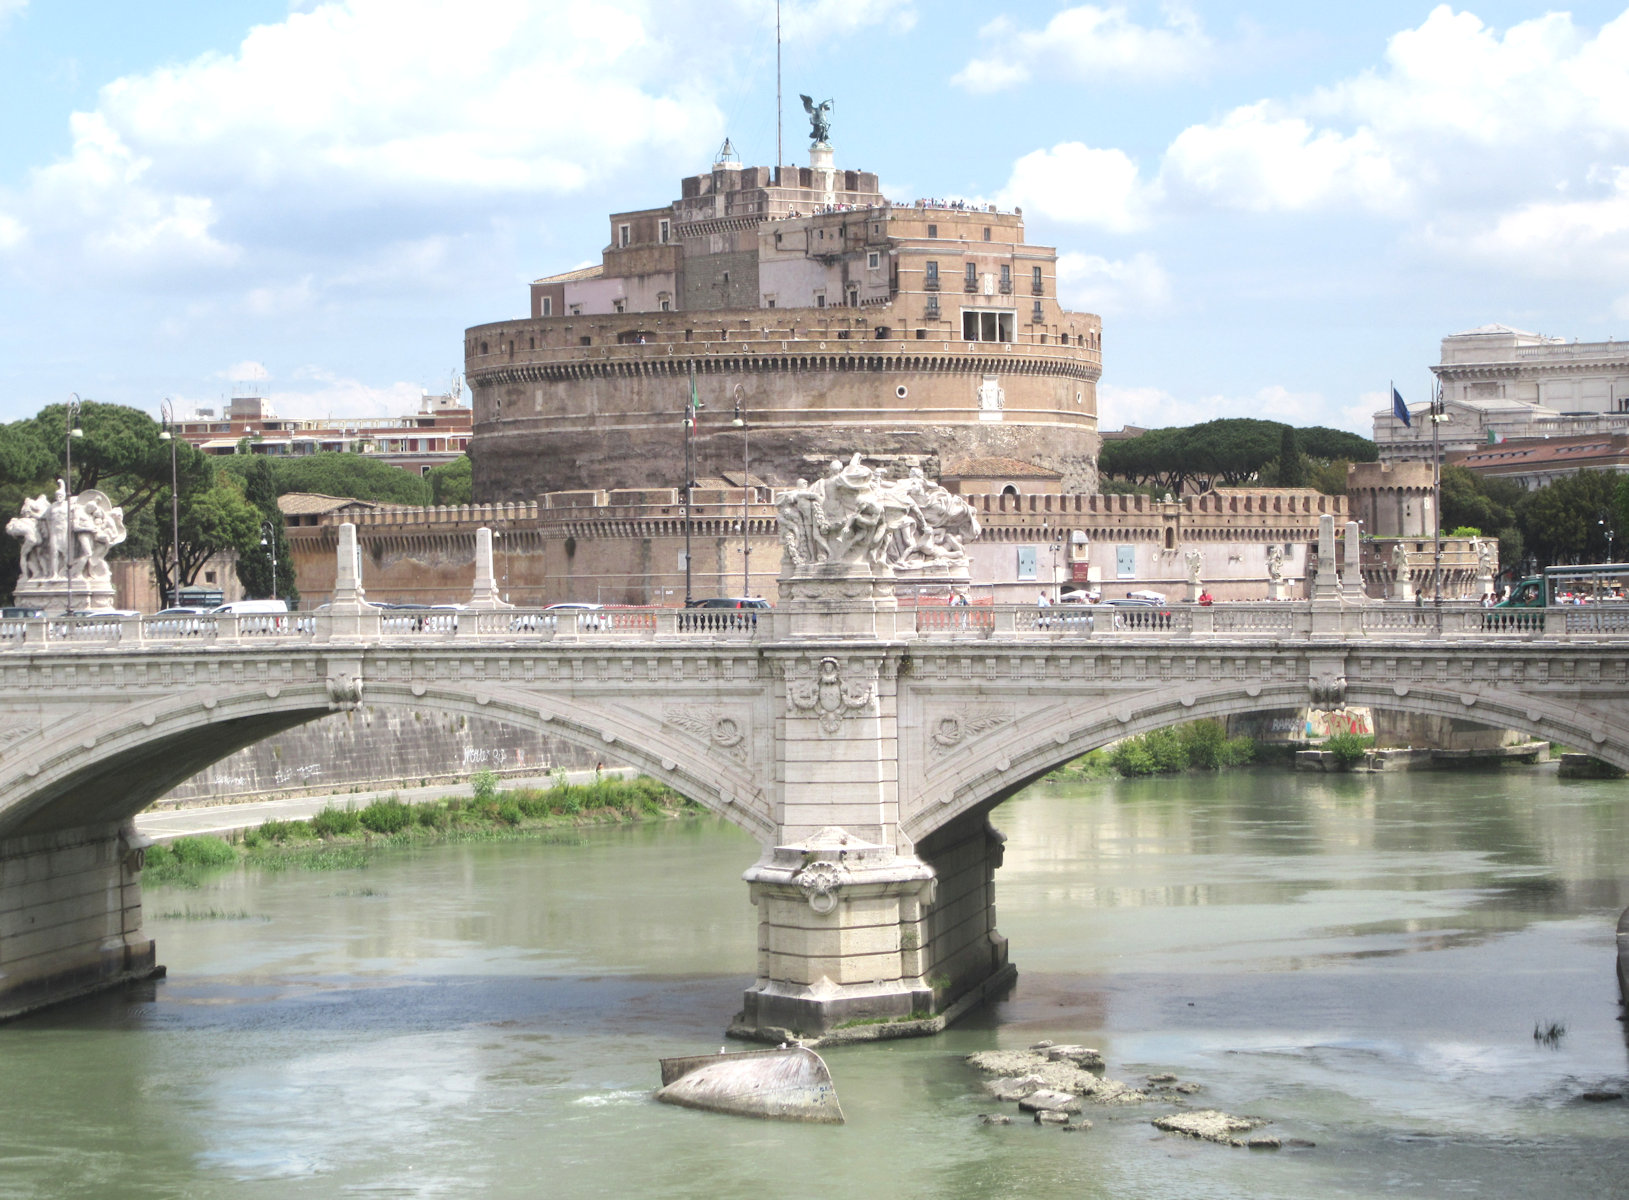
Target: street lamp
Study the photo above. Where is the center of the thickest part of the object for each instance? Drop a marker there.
(740, 422)
(1610, 533)
(1437, 417)
(167, 434)
(692, 405)
(268, 538)
(73, 431)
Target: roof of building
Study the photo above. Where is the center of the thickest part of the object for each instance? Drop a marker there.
(306, 503)
(593, 272)
(995, 468)
(1484, 330)
(1544, 452)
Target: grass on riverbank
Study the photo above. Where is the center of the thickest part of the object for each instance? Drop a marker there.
(1196, 746)
(345, 838)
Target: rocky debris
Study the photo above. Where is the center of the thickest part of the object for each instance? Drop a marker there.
(1020, 1072)
(1164, 1077)
(1084, 1057)
(1214, 1126)
(1041, 1045)
(1166, 1083)
(1263, 1141)
(994, 1119)
(1051, 1116)
(1044, 1100)
(1601, 1097)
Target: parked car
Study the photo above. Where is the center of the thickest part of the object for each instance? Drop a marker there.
(722, 612)
(178, 621)
(16, 611)
(587, 618)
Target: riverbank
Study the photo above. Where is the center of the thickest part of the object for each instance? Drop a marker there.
(340, 837)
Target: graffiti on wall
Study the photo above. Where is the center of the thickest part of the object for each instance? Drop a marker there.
(1322, 723)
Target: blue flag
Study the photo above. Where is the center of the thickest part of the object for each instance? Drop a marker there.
(1398, 408)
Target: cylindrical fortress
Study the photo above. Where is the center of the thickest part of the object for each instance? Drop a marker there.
(810, 387)
(816, 318)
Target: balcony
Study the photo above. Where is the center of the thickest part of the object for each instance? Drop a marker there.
(1037, 289)
(970, 285)
(1006, 287)
(931, 283)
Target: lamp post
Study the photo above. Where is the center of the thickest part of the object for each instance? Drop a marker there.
(1610, 533)
(692, 405)
(167, 434)
(268, 538)
(740, 422)
(73, 431)
(1437, 417)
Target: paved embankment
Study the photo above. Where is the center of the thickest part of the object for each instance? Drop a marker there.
(223, 820)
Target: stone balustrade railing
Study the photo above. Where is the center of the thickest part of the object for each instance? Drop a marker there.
(1282, 621)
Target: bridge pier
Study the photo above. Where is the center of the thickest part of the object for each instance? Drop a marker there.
(852, 933)
(70, 915)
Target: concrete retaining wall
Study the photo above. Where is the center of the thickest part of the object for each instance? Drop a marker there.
(372, 748)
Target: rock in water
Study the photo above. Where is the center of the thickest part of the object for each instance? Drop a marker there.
(1209, 1124)
(786, 1085)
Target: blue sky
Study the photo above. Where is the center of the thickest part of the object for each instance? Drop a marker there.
(1277, 208)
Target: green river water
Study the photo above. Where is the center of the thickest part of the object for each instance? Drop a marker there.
(1359, 960)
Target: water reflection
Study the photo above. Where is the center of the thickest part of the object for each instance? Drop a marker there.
(1360, 960)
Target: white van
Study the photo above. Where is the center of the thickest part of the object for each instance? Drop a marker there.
(250, 607)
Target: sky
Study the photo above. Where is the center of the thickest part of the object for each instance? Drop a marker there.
(1278, 209)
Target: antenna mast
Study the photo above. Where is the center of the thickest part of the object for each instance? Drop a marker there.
(779, 156)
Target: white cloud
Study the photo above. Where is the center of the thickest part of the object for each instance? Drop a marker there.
(10, 9)
(248, 371)
(1575, 238)
(1089, 283)
(1261, 161)
(1077, 183)
(1088, 43)
(400, 109)
(327, 393)
(11, 231)
(808, 20)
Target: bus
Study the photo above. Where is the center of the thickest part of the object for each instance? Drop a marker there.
(1590, 583)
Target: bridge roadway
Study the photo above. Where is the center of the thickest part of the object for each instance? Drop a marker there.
(863, 745)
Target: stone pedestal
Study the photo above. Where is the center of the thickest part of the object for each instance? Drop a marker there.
(1277, 589)
(839, 600)
(57, 595)
(70, 916)
(485, 594)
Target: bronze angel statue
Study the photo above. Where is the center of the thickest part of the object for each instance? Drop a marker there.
(819, 126)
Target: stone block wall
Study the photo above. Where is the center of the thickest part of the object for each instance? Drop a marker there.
(70, 916)
(961, 948)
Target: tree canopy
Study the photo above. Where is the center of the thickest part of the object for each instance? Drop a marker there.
(1227, 452)
(452, 483)
(357, 476)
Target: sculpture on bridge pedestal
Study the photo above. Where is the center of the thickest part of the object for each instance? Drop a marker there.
(63, 551)
(1275, 573)
(856, 516)
(1403, 585)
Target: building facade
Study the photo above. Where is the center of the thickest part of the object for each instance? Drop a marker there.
(438, 433)
(806, 306)
(1501, 384)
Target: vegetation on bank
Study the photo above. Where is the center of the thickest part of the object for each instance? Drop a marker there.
(1196, 746)
(339, 838)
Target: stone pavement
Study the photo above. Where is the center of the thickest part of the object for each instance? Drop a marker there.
(222, 820)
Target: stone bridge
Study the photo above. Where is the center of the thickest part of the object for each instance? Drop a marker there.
(862, 743)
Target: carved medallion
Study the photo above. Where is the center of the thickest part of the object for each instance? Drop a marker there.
(954, 728)
(723, 732)
(821, 882)
(829, 696)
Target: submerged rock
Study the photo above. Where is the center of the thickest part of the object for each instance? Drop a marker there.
(1212, 1126)
(1045, 1100)
(994, 1119)
(1048, 1116)
(789, 1084)
(1024, 1071)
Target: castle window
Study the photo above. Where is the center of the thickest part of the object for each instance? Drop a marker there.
(921, 335)
(1006, 278)
(548, 306)
(933, 231)
(854, 297)
(970, 281)
(820, 299)
(665, 230)
(986, 233)
(1035, 280)
(987, 325)
(873, 260)
(576, 310)
(1037, 313)
(624, 235)
(619, 306)
(665, 304)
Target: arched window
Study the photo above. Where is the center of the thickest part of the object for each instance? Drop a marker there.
(1009, 490)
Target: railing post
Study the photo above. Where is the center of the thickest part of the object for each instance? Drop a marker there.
(130, 631)
(1004, 619)
(667, 622)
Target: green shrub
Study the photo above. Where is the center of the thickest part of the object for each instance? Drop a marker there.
(1165, 747)
(1203, 742)
(509, 813)
(335, 822)
(1131, 757)
(282, 831)
(203, 852)
(432, 816)
(1348, 748)
(386, 816)
(484, 785)
(1236, 752)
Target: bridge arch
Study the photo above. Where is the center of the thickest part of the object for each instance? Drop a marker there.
(997, 766)
(109, 767)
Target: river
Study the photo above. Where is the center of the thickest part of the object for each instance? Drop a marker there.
(1360, 960)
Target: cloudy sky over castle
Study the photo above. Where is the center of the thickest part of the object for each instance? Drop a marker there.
(1275, 207)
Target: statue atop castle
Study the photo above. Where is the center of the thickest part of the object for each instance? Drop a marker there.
(819, 125)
